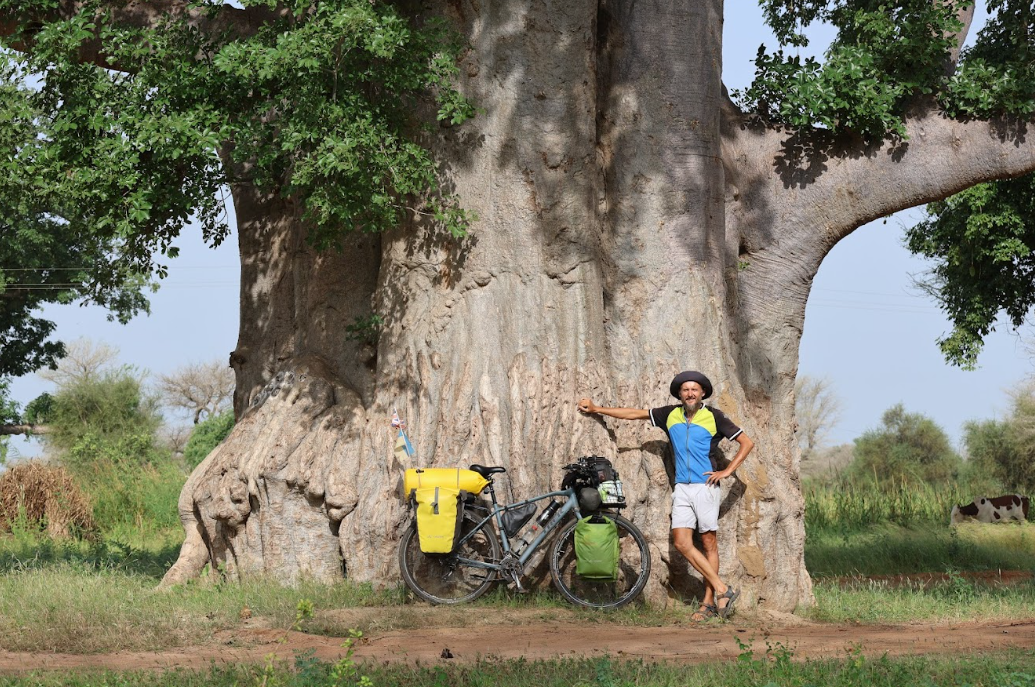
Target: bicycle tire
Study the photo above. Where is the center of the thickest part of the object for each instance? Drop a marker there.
(442, 578)
(633, 568)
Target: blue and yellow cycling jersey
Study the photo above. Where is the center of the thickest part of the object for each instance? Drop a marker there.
(693, 440)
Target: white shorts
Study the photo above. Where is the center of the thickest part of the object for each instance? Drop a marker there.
(696, 506)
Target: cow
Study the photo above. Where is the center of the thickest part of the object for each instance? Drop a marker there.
(997, 509)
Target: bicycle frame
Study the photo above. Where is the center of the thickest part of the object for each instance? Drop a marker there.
(571, 503)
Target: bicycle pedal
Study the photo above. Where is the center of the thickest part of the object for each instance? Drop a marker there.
(517, 586)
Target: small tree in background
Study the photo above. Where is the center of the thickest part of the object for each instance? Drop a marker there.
(101, 425)
(83, 360)
(818, 410)
(908, 447)
(201, 389)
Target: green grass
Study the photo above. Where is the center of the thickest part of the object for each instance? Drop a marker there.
(95, 596)
(955, 599)
(772, 666)
(855, 506)
(88, 597)
(887, 549)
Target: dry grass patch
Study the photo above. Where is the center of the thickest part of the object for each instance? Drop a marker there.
(43, 496)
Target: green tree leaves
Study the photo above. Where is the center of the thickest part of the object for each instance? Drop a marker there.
(887, 56)
(982, 242)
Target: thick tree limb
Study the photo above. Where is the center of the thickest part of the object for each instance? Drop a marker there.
(806, 191)
(11, 430)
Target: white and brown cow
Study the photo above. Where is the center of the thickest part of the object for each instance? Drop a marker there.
(997, 509)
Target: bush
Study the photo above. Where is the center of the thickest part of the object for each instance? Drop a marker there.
(8, 414)
(141, 499)
(206, 436)
(109, 406)
(44, 497)
(102, 429)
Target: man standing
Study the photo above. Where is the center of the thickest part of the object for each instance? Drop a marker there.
(694, 431)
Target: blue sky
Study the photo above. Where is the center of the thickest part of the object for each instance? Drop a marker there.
(867, 329)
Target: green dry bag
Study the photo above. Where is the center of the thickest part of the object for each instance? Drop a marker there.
(596, 548)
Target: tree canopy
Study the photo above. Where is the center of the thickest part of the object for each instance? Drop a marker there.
(1004, 449)
(323, 103)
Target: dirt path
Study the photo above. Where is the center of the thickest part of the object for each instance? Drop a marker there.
(509, 636)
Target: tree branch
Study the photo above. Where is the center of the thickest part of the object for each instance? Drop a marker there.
(793, 195)
(966, 16)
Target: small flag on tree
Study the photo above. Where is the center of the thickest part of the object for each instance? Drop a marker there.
(402, 442)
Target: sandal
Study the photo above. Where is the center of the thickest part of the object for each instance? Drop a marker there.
(731, 597)
(705, 613)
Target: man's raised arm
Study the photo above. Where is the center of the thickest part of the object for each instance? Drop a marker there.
(588, 407)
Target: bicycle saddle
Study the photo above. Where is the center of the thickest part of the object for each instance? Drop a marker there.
(486, 471)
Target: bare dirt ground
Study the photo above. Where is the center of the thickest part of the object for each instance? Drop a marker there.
(468, 634)
(525, 637)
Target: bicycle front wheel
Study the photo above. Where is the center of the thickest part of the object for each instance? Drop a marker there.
(450, 578)
(633, 568)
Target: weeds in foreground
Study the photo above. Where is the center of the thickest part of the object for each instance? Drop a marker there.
(777, 665)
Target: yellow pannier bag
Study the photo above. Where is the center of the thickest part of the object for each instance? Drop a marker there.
(439, 510)
(454, 478)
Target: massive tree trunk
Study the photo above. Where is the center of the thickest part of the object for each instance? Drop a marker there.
(632, 224)
(601, 265)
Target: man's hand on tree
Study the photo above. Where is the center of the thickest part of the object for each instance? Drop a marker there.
(587, 406)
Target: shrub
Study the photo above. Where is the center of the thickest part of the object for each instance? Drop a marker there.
(44, 497)
(107, 406)
(133, 484)
(206, 436)
(102, 429)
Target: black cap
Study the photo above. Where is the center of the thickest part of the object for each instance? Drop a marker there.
(690, 376)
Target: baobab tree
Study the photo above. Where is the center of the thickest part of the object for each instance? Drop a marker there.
(581, 210)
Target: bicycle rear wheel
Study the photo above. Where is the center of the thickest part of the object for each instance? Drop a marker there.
(633, 568)
(450, 578)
